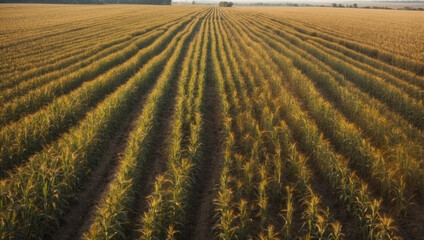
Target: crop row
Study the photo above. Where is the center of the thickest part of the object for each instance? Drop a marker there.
(37, 194)
(303, 130)
(392, 59)
(65, 59)
(253, 166)
(394, 97)
(67, 47)
(27, 135)
(111, 220)
(404, 154)
(169, 201)
(62, 63)
(319, 136)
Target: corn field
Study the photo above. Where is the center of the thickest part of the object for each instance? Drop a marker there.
(200, 122)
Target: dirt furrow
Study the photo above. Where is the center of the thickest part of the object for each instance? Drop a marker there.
(329, 200)
(80, 216)
(200, 216)
(156, 164)
(158, 152)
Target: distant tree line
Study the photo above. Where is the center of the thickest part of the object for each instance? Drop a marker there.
(155, 2)
(412, 9)
(355, 5)
(225, 4)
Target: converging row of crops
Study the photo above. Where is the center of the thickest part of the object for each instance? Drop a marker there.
(199, 122)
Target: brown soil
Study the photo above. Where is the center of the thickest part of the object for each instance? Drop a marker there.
(413, 222)
(158, 153)
(409, 226)
(80, 216)
(200, 216)
(337, 211)
(155, 165)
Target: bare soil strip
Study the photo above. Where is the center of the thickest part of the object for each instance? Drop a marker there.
(80, 216)
(329, 200)
(412, 223)
(200, 216)
(156, 164)
(158, 152)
